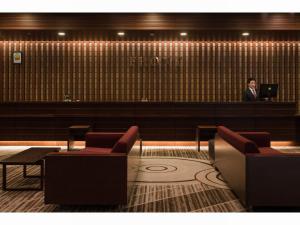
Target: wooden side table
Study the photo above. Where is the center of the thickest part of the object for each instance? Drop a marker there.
(77, 133)
(205, 133)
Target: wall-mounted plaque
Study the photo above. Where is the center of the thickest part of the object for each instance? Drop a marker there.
(17, 57)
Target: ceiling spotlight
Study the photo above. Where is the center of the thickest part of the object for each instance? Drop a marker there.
(245, 34)
(61, 34)
(183, 34)
(121, 33)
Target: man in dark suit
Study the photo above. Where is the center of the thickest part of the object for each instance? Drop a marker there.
(251, 93)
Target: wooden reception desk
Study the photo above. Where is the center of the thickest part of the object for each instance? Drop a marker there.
(157, 121)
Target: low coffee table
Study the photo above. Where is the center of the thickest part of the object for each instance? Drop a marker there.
(31, 156)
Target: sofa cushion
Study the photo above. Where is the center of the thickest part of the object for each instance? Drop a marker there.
(98, 150)
(239, 142)
(126, 142)
(87, 151)
(269, 151)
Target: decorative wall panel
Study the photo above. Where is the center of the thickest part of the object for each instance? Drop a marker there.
(158, 71)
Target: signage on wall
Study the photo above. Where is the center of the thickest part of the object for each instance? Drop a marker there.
(155, 61)
(17, 57)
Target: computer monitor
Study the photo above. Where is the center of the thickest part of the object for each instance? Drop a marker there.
(268, 91)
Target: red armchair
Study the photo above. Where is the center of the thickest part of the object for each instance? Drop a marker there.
(101, 174)
(258, 174)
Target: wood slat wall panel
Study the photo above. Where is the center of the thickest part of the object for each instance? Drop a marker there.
(2, 69)
(188, 71)
(297, 83)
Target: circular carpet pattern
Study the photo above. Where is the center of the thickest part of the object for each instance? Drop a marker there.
(157, 168)
(211, 177)
(176, 170)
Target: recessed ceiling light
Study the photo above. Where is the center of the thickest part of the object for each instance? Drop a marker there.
(61, 34)
(245, 34)
(121, 33)
(183, 34)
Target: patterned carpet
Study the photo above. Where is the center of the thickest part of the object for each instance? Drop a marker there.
(170, 179)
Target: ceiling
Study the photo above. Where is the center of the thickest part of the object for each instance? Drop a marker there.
(149, 26)
(150, 21)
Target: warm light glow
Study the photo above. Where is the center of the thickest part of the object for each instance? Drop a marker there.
(61, 34)
(146, 143)
(121, 33)
(246, 34)
(183, 34)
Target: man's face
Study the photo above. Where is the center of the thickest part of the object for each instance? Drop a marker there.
(252, 84)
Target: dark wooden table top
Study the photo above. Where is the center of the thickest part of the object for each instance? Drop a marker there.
(213, 127)
(31, 155)
(80, 127)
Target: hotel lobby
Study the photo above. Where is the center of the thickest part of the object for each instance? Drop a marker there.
(149, 112)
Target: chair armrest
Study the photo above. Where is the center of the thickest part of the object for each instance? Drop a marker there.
(102, 139)
(261, 139)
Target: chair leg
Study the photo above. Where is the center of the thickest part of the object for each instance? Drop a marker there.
(42, 175)
(4, 177)
(141, 146)
(24, 171)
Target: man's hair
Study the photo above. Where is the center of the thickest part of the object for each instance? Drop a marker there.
(250, 79)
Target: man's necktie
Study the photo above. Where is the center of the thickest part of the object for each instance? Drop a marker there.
(254, 92)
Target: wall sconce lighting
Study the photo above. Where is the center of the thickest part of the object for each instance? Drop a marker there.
(121, 33)
(61, 34)
(183, 34)
(245, 34)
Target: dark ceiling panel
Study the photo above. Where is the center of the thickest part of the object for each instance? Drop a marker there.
(150, 21)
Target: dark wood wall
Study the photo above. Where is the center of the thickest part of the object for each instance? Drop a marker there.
(151, 62)
(163, 71)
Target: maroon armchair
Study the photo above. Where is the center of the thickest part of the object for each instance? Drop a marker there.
(101, 174)
(258, 174)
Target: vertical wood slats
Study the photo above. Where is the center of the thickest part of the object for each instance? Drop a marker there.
(189, 71)
(2, 71)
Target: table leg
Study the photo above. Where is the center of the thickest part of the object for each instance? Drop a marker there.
(24, 171)
(141, 146)
(70, 144)
(42, 175)
(198, 139)
(4, 177)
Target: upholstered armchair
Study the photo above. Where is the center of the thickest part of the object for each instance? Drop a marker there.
(101, 174)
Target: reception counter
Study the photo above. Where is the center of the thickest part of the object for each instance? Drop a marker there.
(157, 121)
